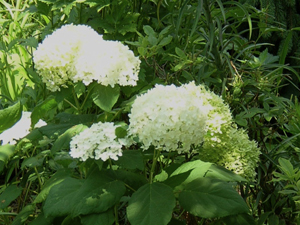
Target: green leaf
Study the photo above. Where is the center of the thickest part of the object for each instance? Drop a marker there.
(105, 97)
(121, 131)
(23, 215)
(210, 198)
(287, 167)
(149, 30)
(131, 179)
(41, 220)
(63, 141)
(105, 218)
(57, 178)
(180, 53)
(221, 173)
(152, 204)
(191, 171)
(35, 160)
(131, 159)
(76, 119)
(42, 109)
(96, 194)
(6, 151)
(9, 116)
(165, 41)
(240, 219)
(9, 194)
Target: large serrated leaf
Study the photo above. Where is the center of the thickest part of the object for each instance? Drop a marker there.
(74, 197)
(152, 204)
(211, 198)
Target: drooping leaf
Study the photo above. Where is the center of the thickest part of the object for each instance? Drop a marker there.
(36, 160)
(152, 204)
(42, 109)
(239, 219)
(96, 194)
(221, 173)
(41, 220)
(6, 151)
(63, 141)
(9, 194)
(131, 179)
(23, 215)
(211, 198)
(9, 116)
(105, 97)
(57, 178)
(190, 170)
(105, 218)
(131, 159)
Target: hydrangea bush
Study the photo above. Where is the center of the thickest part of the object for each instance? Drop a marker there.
(162, 159)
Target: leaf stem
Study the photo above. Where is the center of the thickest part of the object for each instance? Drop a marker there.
(155, 157)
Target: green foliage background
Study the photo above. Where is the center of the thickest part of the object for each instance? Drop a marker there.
(247, 51)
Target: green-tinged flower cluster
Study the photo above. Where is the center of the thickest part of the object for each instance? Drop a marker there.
(78, 53)
(98, 142)
(233, 150)
(170, 118)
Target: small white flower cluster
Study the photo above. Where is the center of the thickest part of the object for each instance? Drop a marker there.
(78, 53)
(19, 129)
(169, 118)
(98, 142)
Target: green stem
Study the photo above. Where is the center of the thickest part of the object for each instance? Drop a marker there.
(116, 215)
(76, 100)
(39, 177)
(155, 157)
(87, 95)
(70, 104)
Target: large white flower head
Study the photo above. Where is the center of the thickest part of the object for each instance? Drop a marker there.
(170, 118)
(78, 53)
(98, 142)
(110, 63)
(19, 129)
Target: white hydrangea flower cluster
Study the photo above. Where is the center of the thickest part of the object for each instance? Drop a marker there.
(169, 118)
(78, 53)
(19, 129)
(174, 118)
(98, 142)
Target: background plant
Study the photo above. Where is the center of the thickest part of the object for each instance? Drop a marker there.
(222, 44)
